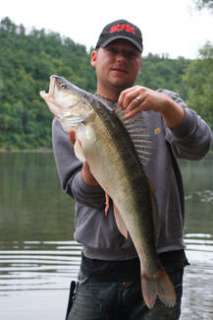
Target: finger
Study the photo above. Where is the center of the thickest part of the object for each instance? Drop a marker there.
(121, 97)
(86, 166)
(132, 113)
(134, 103)
(127, 96)
(87, 175)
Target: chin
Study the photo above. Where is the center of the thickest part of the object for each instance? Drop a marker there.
(122, 84)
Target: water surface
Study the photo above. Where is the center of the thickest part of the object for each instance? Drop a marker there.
(38, 256)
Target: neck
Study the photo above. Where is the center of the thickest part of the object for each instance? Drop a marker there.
(106, 98)
(111, 95)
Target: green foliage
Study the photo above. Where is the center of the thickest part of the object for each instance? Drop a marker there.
(199, 80)
(26, 62)
(162, 72)
(28, 59)
(204, 4)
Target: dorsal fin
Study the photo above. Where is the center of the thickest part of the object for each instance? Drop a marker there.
(138, 132)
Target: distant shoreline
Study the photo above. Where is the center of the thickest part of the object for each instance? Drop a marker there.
(40, 150)
(49, 150)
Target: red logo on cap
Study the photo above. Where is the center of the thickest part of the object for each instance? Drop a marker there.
(122, 27)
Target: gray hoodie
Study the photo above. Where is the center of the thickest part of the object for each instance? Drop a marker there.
(99, 234)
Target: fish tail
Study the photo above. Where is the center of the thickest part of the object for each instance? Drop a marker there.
(158, 286)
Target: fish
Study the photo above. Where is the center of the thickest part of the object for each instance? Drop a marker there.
(116, 153)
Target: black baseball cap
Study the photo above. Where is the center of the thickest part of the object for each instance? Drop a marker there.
(120, 29)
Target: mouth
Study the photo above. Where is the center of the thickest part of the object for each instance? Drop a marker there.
(119, 70)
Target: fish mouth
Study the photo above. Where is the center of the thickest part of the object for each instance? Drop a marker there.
(56, 81)
(52, 85)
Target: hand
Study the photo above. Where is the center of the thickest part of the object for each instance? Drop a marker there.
(87, 175)
(138, 98)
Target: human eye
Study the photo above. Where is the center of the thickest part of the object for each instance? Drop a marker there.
(111, 50)
(132, 54)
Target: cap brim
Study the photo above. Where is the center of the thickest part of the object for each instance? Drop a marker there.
(132, 41)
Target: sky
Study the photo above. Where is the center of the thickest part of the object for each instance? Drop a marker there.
(172, 27)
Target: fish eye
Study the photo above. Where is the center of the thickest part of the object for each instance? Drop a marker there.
(63, 85)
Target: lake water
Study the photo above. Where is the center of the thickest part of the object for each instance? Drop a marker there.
(38, 256)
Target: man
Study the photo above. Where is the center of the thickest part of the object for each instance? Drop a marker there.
(109, 279)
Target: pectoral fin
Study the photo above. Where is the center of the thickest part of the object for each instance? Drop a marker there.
(79, 151)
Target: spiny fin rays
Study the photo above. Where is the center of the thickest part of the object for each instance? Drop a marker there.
(138, 133)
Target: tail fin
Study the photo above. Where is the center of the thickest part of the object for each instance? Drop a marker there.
(158, 285)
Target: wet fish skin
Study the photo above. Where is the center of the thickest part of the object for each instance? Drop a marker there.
(105, 144)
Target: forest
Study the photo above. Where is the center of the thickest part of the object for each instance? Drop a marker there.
(28, 58)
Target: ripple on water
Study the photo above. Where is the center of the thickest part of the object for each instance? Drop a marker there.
(34, 265)
(205, 196)
(198, 291)
(48, 266)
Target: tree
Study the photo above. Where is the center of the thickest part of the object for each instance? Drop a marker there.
(7, 25)
(199, 80)
(28, 58)
(204, 4)
(163, 72)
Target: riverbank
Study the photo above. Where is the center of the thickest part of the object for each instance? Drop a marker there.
(39, 150)
(49, 150)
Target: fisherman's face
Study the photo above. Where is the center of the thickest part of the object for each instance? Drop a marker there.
(117, 65)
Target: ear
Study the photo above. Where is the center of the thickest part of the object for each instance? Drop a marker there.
(93, 58)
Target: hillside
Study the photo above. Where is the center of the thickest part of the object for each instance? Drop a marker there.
(27, 59)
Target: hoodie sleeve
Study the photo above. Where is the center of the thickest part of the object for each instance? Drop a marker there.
(69, 171)
(192, 139)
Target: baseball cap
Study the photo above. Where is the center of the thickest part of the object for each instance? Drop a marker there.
(120, 29)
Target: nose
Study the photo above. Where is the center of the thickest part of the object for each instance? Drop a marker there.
(121, 56)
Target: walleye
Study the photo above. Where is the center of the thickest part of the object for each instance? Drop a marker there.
(105, 141)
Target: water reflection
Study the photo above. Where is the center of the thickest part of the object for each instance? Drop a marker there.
(38, 256)
(32, 205)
